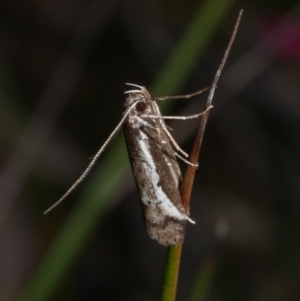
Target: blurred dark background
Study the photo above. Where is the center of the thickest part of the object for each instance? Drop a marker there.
(63, 66)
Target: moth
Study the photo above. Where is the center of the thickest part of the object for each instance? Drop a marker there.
(153, 156)
(152, 153)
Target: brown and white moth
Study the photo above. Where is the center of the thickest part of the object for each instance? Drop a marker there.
(152, 152)
(156, 172)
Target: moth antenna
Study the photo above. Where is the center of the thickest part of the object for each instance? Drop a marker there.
(186, 161)
(100, 151)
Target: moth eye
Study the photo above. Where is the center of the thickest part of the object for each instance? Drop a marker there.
(140, 106)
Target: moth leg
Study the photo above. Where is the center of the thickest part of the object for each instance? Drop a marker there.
(176, 146)
(143, 119)
(169, 128)
(186, 161)
(177, 96)
(154, 116)
(165, 128)
(160, 117)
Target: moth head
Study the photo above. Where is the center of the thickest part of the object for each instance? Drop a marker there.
(140, 101)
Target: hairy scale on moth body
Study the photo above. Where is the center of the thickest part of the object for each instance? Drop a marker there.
(152, 152)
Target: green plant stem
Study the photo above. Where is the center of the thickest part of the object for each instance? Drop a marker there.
(171, 273)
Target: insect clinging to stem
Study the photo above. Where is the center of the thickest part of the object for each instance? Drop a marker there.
(153, 156)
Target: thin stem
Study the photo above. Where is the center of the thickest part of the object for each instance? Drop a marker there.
(171, 273)
(188, 179)
(174, 252)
